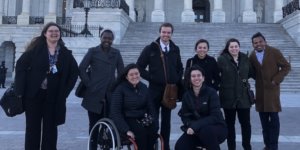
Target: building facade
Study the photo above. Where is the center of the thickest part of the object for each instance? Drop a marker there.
(19, 18)
(228, 11)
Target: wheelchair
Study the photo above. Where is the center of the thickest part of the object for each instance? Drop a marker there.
(109, 138)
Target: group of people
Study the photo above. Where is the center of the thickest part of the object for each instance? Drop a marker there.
(47, 72)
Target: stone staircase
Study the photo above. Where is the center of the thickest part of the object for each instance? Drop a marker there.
(185, 35)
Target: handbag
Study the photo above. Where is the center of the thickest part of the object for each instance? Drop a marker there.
(171, 90)
(170, 96)
(251, 94)
(11, 103)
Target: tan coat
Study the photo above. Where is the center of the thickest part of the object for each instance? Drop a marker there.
(274, 68)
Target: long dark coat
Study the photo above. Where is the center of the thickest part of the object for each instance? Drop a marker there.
(31, 70)
(233, 92)
(274, 68)
(103, 66)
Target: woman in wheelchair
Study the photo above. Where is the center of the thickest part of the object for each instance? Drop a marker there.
(131, 110)
(204, 125)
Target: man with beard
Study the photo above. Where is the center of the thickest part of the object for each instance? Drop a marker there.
(102, 62)
(157, 76)
(270, 69)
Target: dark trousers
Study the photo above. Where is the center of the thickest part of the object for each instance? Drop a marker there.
(209, 137)
(145, 137)
(244, 119)
(2, 82)
(41, 130)
(156, 94)
(93, 118)
(270, 129)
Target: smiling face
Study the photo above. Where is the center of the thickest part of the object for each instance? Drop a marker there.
(259, 44)
(197, 78)
(165, 34)
(202, 50)
(133, 76)
(52, 34)
(106, 40)
(234, 49)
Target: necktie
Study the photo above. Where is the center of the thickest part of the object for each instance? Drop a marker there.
(166, 49)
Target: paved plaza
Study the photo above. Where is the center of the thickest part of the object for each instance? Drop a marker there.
(73, 135)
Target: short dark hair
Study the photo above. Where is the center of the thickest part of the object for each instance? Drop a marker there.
(166, 24)
(202, 41)
(187, 79)
(225, 50)
(122, 77)
(258, 34)
(107, 31)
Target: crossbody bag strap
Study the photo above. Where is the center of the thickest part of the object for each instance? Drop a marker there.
(163, 60)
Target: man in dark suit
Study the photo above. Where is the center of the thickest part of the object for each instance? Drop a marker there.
(158, 77)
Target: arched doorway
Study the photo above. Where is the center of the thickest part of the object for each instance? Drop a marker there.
(202, 10)
(7, 54)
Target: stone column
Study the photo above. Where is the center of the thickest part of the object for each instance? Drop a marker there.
(278, 10)
(249, 16)
(188, 14)
(51, 17)
(1, 10)
(158, 14)
(218, 15)
(23, 18)
(132, 14)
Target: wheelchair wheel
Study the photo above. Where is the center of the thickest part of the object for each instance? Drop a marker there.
(107, 136)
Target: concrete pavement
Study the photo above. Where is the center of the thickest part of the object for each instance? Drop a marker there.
(74, 134)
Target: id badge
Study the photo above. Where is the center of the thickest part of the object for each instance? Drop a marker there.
(53, 69)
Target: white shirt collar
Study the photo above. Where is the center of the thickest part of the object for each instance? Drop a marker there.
(162, 45)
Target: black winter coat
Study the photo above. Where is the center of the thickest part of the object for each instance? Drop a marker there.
(103, 66)
(205, 112)
(33, 67)
(151, 57)
(210, 66)
(130, 102)
(233, 91)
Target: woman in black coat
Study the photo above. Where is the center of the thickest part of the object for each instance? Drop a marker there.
(208, 63)
(45, 75)
(130, 105)
(235, 70)
(203, 122)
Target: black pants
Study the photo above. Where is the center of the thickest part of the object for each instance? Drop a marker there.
(145, 137)
(209, 137)
(156, 94)
(244, 119)
(270, 129)
(41, 130)
(93, 118)
(2, 82)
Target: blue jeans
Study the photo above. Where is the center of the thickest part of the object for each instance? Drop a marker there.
(270, 129)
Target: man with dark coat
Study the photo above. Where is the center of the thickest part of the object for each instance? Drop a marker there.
(3, 71)
(155, 74)
(270, 68)
(103, 61)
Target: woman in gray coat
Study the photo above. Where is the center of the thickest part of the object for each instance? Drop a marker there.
(235, 70)
(102, 62)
